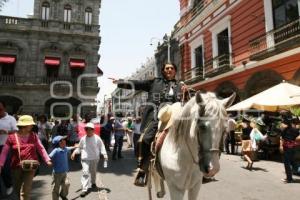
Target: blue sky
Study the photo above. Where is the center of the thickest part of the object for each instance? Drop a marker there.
(126, 29)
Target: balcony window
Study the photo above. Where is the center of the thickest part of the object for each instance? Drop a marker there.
(76, 72)
(45, 11)
(223, 42)
(52, 66)
(199, 56)
(52, 72)
(7, 65)
(88, 16)
(7, 69)
(221, 34)
(284, 12)
(67, 13)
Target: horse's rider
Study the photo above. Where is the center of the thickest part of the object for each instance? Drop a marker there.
(160, 91)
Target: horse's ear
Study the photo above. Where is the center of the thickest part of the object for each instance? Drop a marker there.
(228, 101)
(198, 97)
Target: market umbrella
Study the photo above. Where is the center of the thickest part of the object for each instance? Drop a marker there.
(281, 96)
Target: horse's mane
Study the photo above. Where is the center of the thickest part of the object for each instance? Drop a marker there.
(183, 121)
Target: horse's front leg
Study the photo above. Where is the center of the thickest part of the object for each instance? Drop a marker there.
(175, 193)
(159, 185)
(193, 194)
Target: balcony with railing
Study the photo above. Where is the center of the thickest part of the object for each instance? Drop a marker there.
(7, 80)
(199, 12)
(85, 82)
(212, 67)
(276, 41)
(194, 75)
(15, 23)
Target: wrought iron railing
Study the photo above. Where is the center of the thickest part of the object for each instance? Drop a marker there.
(218, 65)
(7, 80)
(194, 74)
(85, 82)
(212, 67)
(198, 8)
(275, 41)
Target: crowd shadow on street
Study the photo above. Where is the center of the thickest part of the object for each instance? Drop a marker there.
(98, 190)
(256, 169)
(36, 194)
(128, 163)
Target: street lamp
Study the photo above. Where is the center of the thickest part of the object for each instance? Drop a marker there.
(166, 39)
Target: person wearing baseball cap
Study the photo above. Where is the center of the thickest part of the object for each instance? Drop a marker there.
(90, 147)
(59, 157)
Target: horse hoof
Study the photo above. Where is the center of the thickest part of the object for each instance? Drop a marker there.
(160, 194)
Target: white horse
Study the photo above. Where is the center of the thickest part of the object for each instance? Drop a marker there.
(192, 146)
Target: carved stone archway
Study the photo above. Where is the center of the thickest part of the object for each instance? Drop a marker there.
(225, 89)
(261, 81)
(296, 78)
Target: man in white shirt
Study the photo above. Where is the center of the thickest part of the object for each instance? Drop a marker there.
(8, 124)
(136, 134)
(230, 137)
(90, 147)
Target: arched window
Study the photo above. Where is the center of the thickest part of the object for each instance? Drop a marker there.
(45, 10)
(88, 16)
(67, 13)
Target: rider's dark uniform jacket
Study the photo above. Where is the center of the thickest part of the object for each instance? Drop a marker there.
(160, 91)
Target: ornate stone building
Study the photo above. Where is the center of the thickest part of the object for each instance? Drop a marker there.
(43, 57)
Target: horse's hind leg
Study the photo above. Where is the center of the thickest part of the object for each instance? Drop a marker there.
(175, 193)
(194, 192)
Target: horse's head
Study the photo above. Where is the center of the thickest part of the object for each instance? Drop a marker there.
(210, 126)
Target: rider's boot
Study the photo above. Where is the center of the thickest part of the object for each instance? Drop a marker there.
(143, 165)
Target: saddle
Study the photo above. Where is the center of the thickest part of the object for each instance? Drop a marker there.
(165, 122)
(164, 117)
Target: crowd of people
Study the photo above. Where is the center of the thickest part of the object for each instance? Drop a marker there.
(25, 141)
(259, 133)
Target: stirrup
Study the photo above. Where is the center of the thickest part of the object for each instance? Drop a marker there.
(140, 178)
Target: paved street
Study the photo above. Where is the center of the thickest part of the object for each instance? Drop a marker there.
(233, 182)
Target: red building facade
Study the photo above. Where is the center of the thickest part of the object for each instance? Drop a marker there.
(239, 45)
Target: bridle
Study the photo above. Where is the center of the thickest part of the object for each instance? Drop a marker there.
(211, 150)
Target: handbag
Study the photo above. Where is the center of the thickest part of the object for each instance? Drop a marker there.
(26, 165)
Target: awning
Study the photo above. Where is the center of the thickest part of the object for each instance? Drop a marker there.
(7, 59)
(77, 63)
(52, 61)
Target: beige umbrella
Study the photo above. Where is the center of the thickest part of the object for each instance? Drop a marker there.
(278, 97)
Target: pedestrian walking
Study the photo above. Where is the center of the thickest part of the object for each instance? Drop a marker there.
(249, 147)
(73, 131)
(44, 130)
(106, 132)
(119, 132)
(288, 136)
(136, 134)
(129, 132)
(8, 124)
(59, 158)
(230, 135)
(25, 147)
(90, 146)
